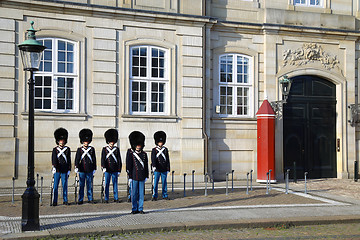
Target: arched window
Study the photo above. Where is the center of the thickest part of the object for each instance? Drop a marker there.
(235, 85)
(149, 80)
(57, 79)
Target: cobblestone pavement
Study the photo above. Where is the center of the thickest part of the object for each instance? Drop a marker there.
(216, 198)
(186, 212)
(330, 231)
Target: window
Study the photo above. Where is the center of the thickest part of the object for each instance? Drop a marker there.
(307, 2)
(235, 85)
(56, 80)
(148, 80)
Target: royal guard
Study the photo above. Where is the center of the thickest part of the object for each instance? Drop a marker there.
(85, 164)
(138, 170)
(111, 163)
(160, 163)
(61, 164)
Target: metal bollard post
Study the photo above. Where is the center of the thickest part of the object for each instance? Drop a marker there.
(41, 192)
(287, 181)
(227, 180)
(356, 171)
(232, 180)
(270, 179)
(172, 181)
(13, 190)
(247, 183)
(37, 182)
(184, 184)
(295, 180)
(267, 182)
(206, 180)
(61, 189)
(251, 180)
(212, 177)
(152, 182)
(306, 173)
(193, 171)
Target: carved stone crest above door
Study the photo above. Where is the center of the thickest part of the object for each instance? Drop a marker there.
(309, 53)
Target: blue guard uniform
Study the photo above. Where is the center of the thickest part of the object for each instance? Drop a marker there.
(160, 163)
(61, 162)
(138, 170)
(111, 163)
(85, 164)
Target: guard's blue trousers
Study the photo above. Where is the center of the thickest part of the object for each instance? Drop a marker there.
(64, 182)
(114, 178)
(88, 177)
(137, 195)
(163, 182)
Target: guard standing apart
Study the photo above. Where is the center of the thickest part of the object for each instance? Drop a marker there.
(111, 163)
(137, 169)
(61, 163)
(85, 164)
(160, 163)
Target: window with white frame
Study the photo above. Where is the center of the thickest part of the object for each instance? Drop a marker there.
(309, 3)
(57, 78)
(148, 80)
(235, 85)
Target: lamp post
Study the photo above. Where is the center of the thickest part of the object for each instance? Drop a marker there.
(285, 85)
(31, 52)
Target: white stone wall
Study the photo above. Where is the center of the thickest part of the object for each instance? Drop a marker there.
(105, 36)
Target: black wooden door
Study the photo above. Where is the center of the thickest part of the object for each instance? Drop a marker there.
(310, 128)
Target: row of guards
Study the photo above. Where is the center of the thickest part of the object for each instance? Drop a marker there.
(85, 167)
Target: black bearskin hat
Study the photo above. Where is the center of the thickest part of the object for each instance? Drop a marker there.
(85, 135)
(160, 136)
(137, 138)
(111, 135)
(61, 134)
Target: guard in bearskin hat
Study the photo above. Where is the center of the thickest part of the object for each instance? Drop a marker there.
(85, 164)
(61, 164)
(137, 169)
(160, 163)
(111, 163)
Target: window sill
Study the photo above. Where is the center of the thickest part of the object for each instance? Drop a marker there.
(315, 9)
(56, 116)
(149, 118)
(233, 120)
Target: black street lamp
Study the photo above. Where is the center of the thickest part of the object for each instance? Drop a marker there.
(31, 52)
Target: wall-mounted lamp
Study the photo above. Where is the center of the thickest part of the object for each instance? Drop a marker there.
(285, 85)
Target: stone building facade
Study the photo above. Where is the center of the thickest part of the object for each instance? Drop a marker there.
(198, 71)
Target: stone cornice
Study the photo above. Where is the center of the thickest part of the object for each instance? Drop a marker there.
(92, 10)
(277, 29)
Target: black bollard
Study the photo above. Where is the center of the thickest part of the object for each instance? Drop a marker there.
(13, 190)
(37, 182)
(206, 179)
(247, 183)
(251, 180)
(172, 181)
(306, 173)
(152, 182)
(227, 185)
(184, 184)
(287, 181)
(356, 171)
(232, 180)
(267, 183)
(41, 192)
(212, 177)
(270, 179)
(193, 189)
(295, 180)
